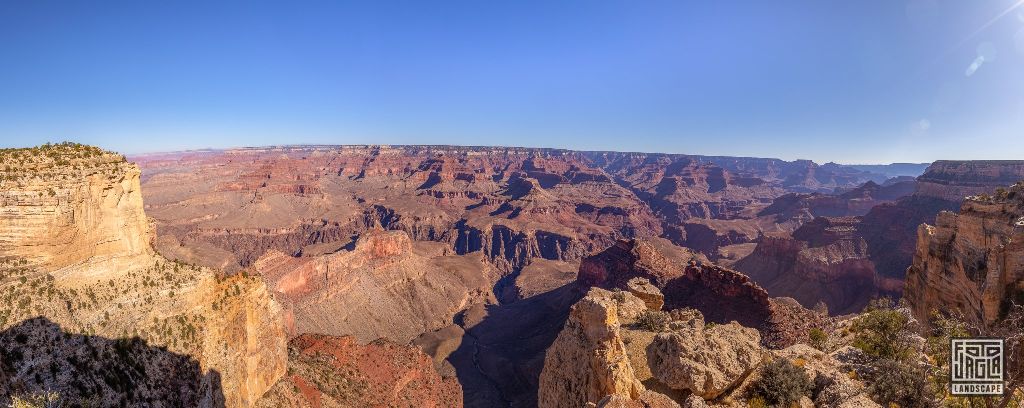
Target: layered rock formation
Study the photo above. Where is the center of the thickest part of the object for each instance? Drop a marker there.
(871, 255)
(76, 253)
(825, 260)
(513, 204)
(952, 180)
(385, 286)
(688, 280)
(971, 262)
(326, 371)
(69, 204)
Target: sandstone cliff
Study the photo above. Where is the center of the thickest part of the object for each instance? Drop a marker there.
(953, 180)
(68, 204)
(79, 261)
(971, 262)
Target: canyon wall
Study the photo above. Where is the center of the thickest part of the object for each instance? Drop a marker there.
(71, 206)
(385, 286)
(953, 180)
(513, 204)
(76, 265)
(971, 262)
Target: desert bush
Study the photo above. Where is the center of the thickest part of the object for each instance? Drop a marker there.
(901, 384)
(884, 332)
(757, 402)
(652, 320)
(819, 338)
(782, 383)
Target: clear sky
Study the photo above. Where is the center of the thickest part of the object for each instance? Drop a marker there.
(854, 81)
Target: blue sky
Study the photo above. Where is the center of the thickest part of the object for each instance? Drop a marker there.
(866, 81)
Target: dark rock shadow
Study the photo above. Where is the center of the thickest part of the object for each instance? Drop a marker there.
(502, 353)
(38, 356)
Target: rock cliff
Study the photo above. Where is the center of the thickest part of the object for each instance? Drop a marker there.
(615, 351)
(825, 260)
(67, 204)
(76, 256)
(953, 180)
(971, 261)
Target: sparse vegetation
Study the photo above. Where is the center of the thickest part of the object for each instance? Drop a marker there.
(782, 383)
(818, 337)
(901, 384)
(884, 332)
(653, 320)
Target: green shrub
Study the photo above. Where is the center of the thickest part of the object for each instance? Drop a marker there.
(884, 332)
(901, 384)
(819, 339)
(652, 320)
(782, 383)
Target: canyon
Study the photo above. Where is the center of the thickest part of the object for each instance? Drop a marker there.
(460, 250)
(474, 276)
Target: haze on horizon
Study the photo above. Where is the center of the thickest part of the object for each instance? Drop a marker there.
(873, 81)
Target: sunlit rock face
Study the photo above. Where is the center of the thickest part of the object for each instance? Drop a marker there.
(72, 205)
(610, 354)
(953, 180)
(76, 265)
(385, 286)
(971, 262)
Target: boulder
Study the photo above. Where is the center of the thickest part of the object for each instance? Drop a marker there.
(650, 294)
(707, 361)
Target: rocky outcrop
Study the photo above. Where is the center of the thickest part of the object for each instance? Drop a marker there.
(588, 360)
(92, 275)
(971, 262)
(835, 387)
(627, 259)
(645, 291)
(339, 372)
(386, 286)
(610, 353)
(707, 361)
(688, 280)
(67, 204)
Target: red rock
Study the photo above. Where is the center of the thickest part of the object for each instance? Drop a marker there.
(337, 371)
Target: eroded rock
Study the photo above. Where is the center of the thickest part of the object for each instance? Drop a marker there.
(707, 361)
(650, 294)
